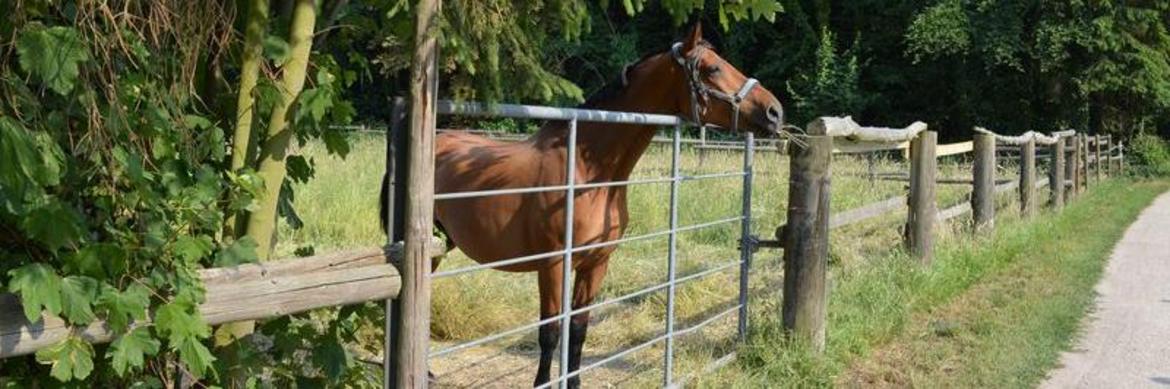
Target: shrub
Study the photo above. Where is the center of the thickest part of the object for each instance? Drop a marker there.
(1149, 156)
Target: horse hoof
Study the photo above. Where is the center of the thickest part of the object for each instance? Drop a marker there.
(431, 379)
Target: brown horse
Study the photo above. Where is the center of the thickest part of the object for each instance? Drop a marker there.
(680, 81)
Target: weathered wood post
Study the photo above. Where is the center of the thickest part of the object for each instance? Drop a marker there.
(414, 301)
(1121, 157)
(1074, 164)
(1056, 175)
(919, 237)
(1028, 178)
(1083, 174)
(1070, 167)
(983, 195)
(394, 205)
(1097, 165)
(806, 239)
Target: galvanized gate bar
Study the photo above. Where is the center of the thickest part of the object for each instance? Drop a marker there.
(448, 107)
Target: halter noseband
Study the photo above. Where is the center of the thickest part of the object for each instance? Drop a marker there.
(701, 92)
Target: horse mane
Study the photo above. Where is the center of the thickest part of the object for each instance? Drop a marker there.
(616, 85)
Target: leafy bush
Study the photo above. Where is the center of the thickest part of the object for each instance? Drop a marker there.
(1149, 155)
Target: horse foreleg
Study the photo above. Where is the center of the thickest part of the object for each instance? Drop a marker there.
(585, 288)
(549, 281)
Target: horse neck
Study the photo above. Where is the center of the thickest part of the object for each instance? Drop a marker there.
(609, 151)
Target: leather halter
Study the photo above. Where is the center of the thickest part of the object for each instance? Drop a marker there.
(701, 93)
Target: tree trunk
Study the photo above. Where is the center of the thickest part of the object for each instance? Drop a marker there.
(261, 224)
(249, 75)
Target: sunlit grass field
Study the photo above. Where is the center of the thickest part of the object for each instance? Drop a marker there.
(339, 210)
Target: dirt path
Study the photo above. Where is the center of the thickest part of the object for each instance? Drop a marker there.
(1127, 341)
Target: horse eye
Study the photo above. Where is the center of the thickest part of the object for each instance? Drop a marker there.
(712, 70)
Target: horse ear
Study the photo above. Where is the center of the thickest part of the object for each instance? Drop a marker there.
(694, 37)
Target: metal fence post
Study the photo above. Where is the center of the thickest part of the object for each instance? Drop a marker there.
(983, 195)
(745, 236)
(671, 256)
(806, 241)
(923, 206)
(567, 259)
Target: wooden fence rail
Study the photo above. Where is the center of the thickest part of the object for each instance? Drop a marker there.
(245, 292)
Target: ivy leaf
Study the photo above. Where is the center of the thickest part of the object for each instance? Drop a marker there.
(241, 251)
(192, 248)
(53, 225)
(121, 307)
(128, 352)
(53, 56)
(72, 358)
(39, 288)
(77, 296)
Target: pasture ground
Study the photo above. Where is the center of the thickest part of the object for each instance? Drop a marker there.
(339, 209)
(991, 312)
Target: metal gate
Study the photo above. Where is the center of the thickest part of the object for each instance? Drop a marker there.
(396, 141)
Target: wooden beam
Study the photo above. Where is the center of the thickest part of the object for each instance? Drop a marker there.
(866, 212)
(806, 242)
(955, 148)
(918, 236)
(244, 292)
(849, 130)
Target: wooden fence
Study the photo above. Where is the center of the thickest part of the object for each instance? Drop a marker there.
(273, 289)
(1070, 156)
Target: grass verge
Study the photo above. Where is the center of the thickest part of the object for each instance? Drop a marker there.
(994, 311)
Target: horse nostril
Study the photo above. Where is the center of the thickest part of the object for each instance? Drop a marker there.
(776, 114)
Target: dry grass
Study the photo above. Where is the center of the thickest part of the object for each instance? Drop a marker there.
(340, 211)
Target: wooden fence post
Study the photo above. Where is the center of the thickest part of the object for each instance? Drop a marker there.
(1075, 164)
(414, 301)
(1097, 165)
(1056, 175)
(1070, 168)
(806, 241)
(983, 195)
(919, 238)
(1028, 178)
(1083, 173)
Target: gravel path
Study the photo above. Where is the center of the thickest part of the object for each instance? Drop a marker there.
(1127, 341)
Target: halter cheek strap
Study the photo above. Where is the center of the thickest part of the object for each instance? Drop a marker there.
(701, 92)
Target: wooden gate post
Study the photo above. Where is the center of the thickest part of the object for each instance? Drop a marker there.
(918, 237)
(983, 195)
(1070, 168)
(1056, 175)
(414, 301)
(1028, 178)
(806, 241)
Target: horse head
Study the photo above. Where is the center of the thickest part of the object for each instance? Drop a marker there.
(709, 90)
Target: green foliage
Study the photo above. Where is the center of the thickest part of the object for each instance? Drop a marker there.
(70, 359)
(52, 55)
(833, 88)
(39, 288)
(129, 351)
(1149, 155)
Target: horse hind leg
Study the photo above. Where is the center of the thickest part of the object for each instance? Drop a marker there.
(549, 334)
(585, 288)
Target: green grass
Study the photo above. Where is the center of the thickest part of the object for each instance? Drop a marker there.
(991, 312)
(339, 209)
